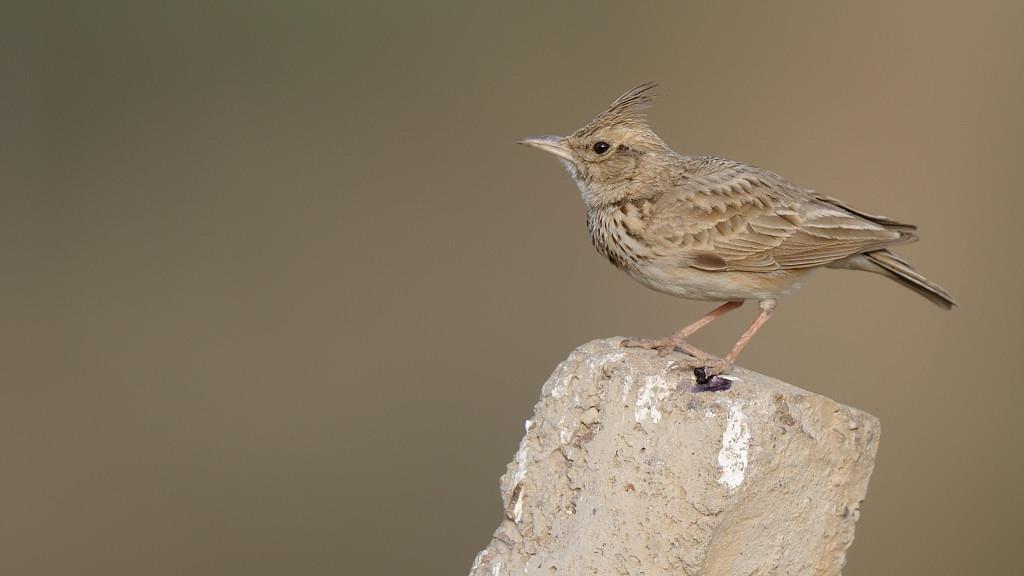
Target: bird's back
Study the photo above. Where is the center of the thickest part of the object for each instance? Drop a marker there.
(723, 215)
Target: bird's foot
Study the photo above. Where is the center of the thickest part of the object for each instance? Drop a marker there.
(663, 345)
(707, 364)
(709, 371)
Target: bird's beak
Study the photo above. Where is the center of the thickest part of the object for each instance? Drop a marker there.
(554, 144)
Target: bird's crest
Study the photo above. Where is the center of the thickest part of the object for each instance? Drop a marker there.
(626, 110)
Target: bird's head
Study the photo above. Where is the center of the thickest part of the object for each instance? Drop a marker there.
(615, 155)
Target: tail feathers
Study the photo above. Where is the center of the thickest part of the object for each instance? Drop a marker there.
(900, 270)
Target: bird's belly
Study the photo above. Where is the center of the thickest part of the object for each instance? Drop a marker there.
(696, 284)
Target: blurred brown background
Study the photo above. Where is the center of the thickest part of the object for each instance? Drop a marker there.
(279, 290)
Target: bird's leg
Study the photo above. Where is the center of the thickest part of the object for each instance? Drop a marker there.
(678, 340)
(708, 372)
(767, 307)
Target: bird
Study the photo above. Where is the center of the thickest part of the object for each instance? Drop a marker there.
(712, 229)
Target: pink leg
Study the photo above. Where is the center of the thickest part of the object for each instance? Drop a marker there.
(678, 340)
(722, 310)
(767, 307)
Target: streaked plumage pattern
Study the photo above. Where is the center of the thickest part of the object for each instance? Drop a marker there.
(708, 228)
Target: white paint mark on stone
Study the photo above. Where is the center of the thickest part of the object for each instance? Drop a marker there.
(517, 508)
(479, 559)
(627, 383)
(521, 455)
(732, 458)
(564, 434)
(520, 473)
(604, 360)
(561, 387)
(655, 389)
(496, 569)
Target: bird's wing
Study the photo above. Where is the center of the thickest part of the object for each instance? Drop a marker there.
(745, 219)
(876, 218)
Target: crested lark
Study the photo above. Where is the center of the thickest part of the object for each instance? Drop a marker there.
(707, 228)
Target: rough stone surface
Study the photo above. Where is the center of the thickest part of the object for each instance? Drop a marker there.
(624, 469)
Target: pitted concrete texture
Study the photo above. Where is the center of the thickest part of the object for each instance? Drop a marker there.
(625, 469)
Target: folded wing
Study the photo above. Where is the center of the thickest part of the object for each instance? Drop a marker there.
(741, 218)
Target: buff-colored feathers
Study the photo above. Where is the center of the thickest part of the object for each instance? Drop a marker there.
(707, 228)
(710, 228)
(626, 110)
(754, 221)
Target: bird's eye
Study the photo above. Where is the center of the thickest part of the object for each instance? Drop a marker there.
(601, 147)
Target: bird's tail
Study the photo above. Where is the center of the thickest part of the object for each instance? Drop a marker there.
(901, 271)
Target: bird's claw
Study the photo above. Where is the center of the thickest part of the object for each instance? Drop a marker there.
(708, 371)
(663, 346)
(709, 365)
